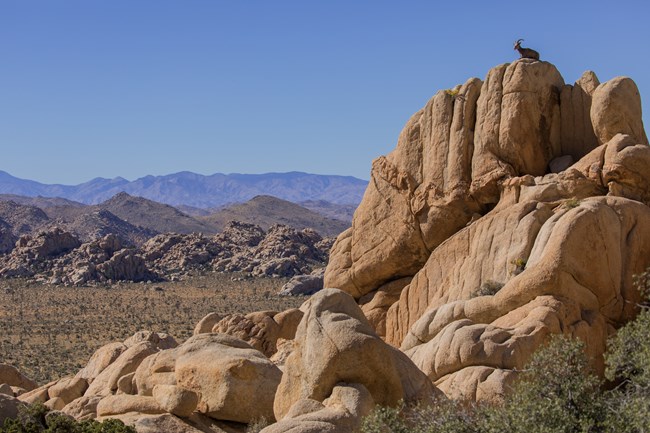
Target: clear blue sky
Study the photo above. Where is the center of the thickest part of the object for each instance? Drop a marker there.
(128, 88)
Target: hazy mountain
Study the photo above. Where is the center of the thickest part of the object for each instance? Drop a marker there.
(343, 212)
(265, 211)
(41, 202)
(191, 189)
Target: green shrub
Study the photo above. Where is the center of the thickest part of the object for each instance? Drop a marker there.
(628, 365)
(571, 203)
(36, 419)
(443, 416)
(556, 392)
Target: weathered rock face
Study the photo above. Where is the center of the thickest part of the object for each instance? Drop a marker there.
(341, 412)
(335, 343)
(234, 381)
(511, 209)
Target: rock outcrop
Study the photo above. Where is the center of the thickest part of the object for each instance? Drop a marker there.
(335, 343)
(511, 209)
(58, 257)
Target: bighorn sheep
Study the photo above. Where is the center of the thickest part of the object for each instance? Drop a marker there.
(526, 53)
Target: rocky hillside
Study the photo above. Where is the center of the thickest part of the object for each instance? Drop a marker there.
(512, 209)
(186, 188)
(21, 218)
(135, 219)
(154, 216)
(266, 211)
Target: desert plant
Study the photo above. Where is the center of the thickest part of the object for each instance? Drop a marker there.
(571, 203)
(488, 288)
(519, 265)
(557, 392)
(385, 419)
(257, 425)
(628, 364)
(36, 418)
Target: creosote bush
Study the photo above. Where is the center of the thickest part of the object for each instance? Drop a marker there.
(628, 365)
(36, 418)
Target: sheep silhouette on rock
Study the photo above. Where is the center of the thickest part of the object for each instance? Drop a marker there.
(526, 53)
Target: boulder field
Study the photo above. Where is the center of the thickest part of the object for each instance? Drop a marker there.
(511, 209)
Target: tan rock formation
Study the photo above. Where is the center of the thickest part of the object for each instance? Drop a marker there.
(206, 324)
(499, 219)
(83, 408)
(234, 381)
(574, 283)
(578, 137)
(119, 404)
(257, 329)
(102, 358)
(106, 382)
(335, 343)
(176, 400)
(412, 202)
(68, 389)
(342, 412)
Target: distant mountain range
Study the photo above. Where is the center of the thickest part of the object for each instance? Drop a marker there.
(199, 191)
(137, 219)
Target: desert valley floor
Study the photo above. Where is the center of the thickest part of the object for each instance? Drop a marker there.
(53, 330)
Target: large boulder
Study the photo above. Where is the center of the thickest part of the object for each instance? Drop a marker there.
(136, 349)
(12, 377)
(335, 343)
(411, 204)
(234, 381)
(616, 109)
(102, 358)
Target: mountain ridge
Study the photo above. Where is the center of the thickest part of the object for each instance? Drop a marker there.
(197, 190)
